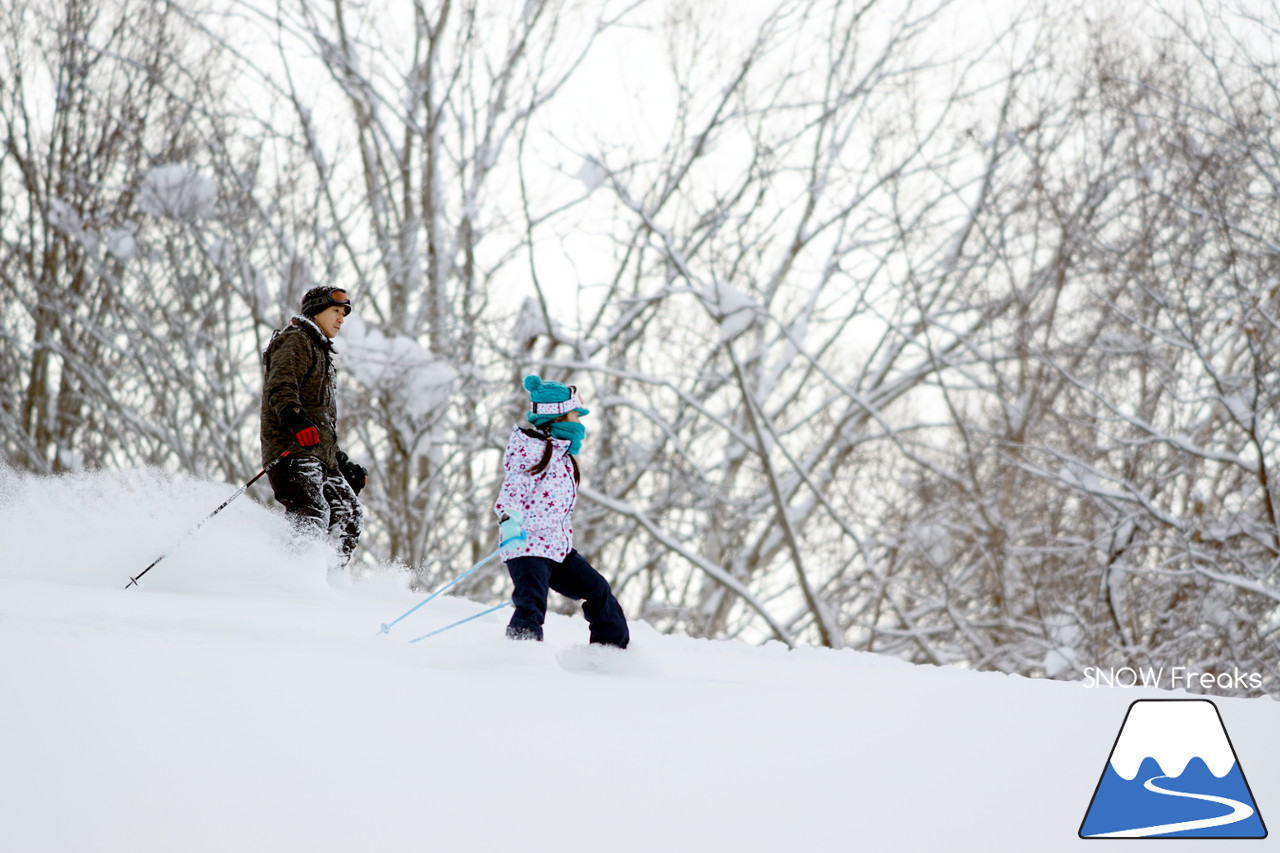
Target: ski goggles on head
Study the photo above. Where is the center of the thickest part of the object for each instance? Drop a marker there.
(324, 300)
(557, 408)
(338, 297)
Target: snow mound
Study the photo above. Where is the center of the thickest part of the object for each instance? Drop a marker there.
(241, 699)
(101, 529)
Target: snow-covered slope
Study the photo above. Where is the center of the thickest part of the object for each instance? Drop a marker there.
(240, 701)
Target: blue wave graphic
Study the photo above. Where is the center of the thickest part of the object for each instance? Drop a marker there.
(1125, 805)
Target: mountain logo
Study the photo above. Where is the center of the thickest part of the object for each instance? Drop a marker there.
(1172, 773)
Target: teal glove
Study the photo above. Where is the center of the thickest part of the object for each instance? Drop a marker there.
(511, 530)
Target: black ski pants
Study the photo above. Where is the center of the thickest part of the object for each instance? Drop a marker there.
(573, 578)
(319, 501)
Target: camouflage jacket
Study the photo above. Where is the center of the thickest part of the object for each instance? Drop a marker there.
(299, 372)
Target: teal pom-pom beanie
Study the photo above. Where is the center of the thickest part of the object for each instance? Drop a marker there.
(545, 391)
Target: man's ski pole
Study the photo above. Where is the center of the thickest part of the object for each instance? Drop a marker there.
(386, 626)
(133, 581)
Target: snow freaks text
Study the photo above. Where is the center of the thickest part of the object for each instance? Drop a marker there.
(1171, 678)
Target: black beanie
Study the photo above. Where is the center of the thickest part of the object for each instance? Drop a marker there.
(317, 299)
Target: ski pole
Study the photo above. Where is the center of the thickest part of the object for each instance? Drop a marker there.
(461, 622)
(133, 581)
(386, 626)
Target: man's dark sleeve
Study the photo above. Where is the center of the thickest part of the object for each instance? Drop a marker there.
(289, 363)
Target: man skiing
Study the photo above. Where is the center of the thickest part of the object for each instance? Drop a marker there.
(317, 483)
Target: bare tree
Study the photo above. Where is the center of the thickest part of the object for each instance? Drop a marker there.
(95, 96)
(758, 344)
(1110, 501)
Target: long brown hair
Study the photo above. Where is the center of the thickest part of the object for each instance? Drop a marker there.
(544, 433)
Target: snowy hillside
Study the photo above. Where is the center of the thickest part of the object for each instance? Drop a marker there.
(239, 701)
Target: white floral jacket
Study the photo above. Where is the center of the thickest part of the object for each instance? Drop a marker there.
(546, 500)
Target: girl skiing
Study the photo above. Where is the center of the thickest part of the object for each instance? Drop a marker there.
(535, 514)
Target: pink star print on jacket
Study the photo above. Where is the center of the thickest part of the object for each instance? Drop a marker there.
(546, 500)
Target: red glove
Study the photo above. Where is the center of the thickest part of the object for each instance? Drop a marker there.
(304, 431)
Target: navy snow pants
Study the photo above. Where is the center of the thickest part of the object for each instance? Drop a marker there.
(573, 578)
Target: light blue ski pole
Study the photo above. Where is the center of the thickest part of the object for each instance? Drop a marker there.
(461, 622)
(386, 626)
